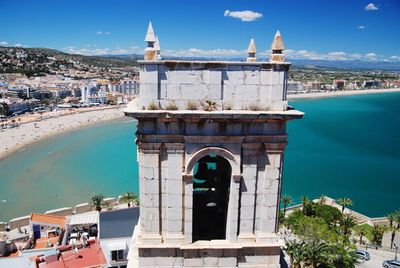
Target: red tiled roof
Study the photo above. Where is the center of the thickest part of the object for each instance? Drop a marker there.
(49, 219)
(91, 256)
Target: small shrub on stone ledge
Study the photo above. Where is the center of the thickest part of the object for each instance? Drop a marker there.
(192, 105)
(209, 105)
(152, 106)
(255, 107)
(171, 106)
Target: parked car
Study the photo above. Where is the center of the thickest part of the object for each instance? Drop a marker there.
(391, 264)
(362, 255)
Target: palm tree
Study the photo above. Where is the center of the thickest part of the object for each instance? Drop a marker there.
(316, 253)
(130, 197)
(344, 202)
(344, 255)
(97, 201)
(287, 201)
(295, 250)
(377, 234)
(308, 208)
(360, 231)
(346, 223)
(394, 225)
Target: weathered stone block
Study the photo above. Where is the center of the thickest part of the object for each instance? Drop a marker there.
(193, 262)
(210, 261)
(227, 262)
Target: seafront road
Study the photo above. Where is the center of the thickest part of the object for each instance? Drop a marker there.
(377, 258)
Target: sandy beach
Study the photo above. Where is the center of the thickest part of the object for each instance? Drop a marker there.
(53, 123)
(313, 95)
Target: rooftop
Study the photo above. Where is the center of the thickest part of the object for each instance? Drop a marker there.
(48, 219)
(90, 256)
(85, 218)
(118, 223)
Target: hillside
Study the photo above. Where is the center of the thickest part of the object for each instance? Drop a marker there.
(40, 61)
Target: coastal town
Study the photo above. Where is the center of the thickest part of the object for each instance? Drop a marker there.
(263, 135)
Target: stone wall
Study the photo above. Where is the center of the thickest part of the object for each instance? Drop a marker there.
(60, 211)
(19, 222)
(111, 201)
(231, 85)
(82, 208)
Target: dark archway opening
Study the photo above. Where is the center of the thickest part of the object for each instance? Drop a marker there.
(211, 182)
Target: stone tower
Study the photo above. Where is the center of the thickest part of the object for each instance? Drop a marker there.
(211, 137)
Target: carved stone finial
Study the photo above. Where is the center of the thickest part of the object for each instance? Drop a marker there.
(251, 51)
(150, 52)
(277, 49)
(150, 36)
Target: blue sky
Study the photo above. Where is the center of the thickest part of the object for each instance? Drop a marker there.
(316, 29)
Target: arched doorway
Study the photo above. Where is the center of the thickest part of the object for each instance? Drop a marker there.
(211, 185)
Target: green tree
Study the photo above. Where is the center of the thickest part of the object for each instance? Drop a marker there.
(346, 223)
(130, 197)
(331, 215)
(316, 253)
(295, 251)
(361, 231)
(344, 256)
(97, 201)
(308, 206)
(377, 234)
(344, 202)
(287, 201)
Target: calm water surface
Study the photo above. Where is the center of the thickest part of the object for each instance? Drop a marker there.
(343, 147)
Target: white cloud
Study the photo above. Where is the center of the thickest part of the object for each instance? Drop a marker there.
(362, 27)
(102, 33)
(18, 45)
(338, 55)
(371, 7)
(229, 53)
(371, 56)
(3, 43)
(92, 51)
(196, 52)
(245, 15)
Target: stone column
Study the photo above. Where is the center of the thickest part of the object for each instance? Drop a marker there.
(268, 194)
(188, 207)
(174, 193)
(233, 208)
(149, 182)
(248, 191)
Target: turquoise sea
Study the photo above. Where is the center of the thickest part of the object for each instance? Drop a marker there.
(343, 147)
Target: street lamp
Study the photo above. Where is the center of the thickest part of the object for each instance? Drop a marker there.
(396, 247)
